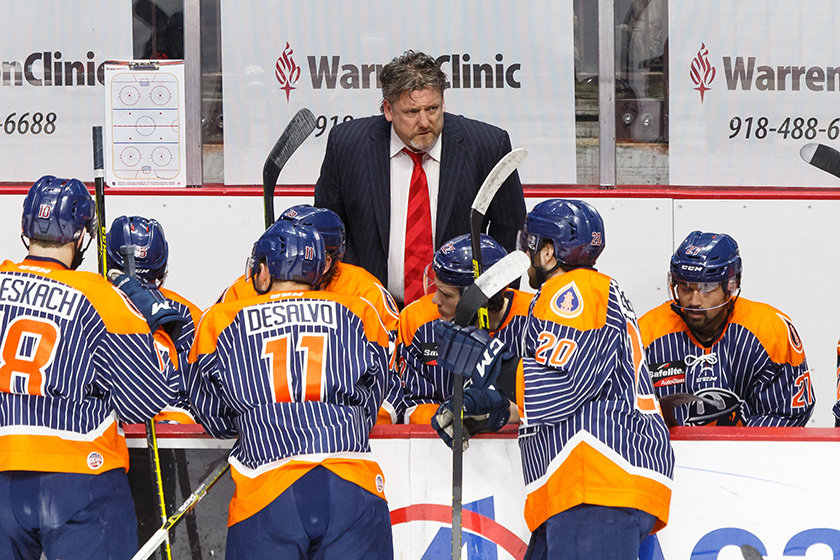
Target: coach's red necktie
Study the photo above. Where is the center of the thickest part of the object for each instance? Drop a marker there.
(418, 230)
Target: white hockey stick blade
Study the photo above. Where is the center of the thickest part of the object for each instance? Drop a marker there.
(509, 268)
(822, 157)
(500, 172)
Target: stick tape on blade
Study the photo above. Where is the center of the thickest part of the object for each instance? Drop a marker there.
(508, 269)
(496, 177)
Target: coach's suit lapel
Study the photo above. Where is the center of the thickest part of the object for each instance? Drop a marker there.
(379, 163)
(452, 157)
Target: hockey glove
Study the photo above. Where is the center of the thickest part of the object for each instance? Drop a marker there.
(152, 304)
(485, 410)
(470, 352)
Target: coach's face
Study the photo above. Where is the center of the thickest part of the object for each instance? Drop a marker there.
(417, 117)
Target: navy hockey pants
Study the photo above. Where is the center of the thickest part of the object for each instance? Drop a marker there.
(319, 517)
(67, 516)
(586, 532)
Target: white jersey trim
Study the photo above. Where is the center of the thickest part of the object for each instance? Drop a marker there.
(314, 458)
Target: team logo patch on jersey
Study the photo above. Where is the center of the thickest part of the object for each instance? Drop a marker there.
(430, 353)
(793, 336)
(567, 303)
(668, 373)
(390, 304)
(380, 483)
(95, 460)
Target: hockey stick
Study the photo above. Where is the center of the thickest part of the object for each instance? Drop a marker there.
(161, 534)
(750, 553)
(508, 269)
(99, 192)
(127, 252)
(298, 129)
(822, 157)
(491, 185)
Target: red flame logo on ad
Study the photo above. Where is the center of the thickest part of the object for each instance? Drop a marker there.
(286, 71)
(702, 72)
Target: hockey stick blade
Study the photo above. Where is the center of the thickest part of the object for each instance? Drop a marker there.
(822, 157)
(498, 175)
(160, 535)
(298, 129)
(509, 268)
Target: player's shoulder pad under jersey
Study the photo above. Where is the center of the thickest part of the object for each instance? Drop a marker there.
(521, 302)
(658, 322)
(578, 299)
(240, 289)
(219, 316)
(773, 329)
(415, 315)
(116, 311)
(356, 281)
(195, 311)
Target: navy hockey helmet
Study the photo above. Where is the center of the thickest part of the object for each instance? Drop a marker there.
(57, 210)
(706, 257)
(292, 251)
(452, 263)
(327, 222)
(573, 226)
(151, 251)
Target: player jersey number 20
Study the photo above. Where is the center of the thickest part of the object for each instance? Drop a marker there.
(26, 351)
(297, 366)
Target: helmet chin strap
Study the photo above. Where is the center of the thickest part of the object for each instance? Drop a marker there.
(541, 274)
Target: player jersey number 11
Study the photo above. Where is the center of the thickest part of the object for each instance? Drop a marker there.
(296, 357)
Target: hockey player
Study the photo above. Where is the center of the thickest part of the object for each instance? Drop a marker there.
(738, 362)
(340, 278)
(425, 384)
(76, 359)
(596, 455)
(151, 259)
(298, 375)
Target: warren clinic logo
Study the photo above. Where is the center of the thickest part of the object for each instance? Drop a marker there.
(287, 71)
(702, 72)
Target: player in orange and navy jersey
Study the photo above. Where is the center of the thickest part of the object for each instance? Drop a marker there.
(425, 384)
(340, 278)
(151, 258)
(298, 375)
(836, 408)
(596, 454)
(77, 358)
(740, 362)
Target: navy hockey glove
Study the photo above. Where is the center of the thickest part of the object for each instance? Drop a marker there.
(471, 352)
(153, 305)
(485, 410)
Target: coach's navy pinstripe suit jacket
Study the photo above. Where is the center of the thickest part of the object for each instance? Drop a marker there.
(355, 183)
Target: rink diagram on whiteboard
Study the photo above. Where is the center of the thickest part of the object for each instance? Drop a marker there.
(145, 126)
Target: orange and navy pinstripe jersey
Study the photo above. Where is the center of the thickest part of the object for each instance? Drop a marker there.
(836, 408)
(591, 429)
(299, 377)
(350, 280)
(75, 358)
(179, 412)
(757, 363)
(426, 384)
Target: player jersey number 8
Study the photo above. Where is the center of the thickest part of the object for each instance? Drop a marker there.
(283, 353)
(26, 351)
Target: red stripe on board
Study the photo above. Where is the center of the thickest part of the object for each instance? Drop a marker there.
(531, 191)
(471, 521)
